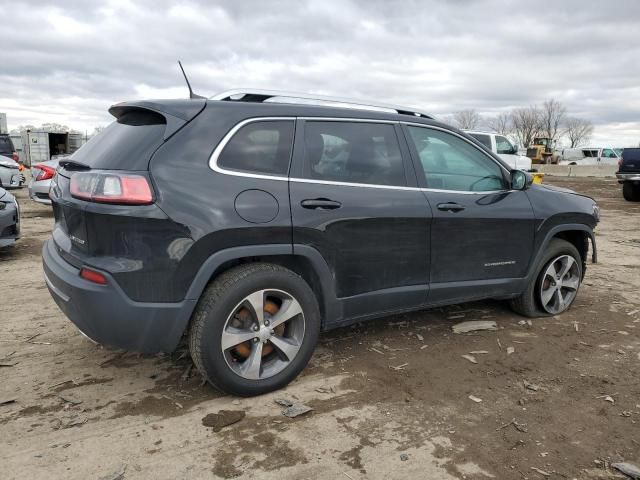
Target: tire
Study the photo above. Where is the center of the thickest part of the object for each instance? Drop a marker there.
(226, 313)
(531, 302)
(631, 192)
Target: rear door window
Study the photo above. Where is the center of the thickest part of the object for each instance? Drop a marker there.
(353, 152)
(262, 147)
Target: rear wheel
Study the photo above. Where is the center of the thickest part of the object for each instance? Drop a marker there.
(254, 329)
(555, 286)
(631, 192)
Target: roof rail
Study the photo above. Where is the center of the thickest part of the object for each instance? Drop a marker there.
(259, 96)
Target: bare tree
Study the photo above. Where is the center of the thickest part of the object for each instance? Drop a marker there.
(578, 131)
(526, 124)
(552, 118)
(501, 124)
(466, 119)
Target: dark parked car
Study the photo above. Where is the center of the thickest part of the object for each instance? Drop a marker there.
(629, 174)
(251, 225)
(9, 219)
(6, 147)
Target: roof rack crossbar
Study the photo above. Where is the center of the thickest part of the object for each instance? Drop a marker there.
(259, 96)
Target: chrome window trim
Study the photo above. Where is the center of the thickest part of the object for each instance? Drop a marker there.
(213, 159)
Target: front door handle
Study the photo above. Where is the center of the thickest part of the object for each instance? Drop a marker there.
(450, 207)
(323, 203)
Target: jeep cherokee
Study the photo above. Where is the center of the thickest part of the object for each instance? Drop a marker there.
(251, 221)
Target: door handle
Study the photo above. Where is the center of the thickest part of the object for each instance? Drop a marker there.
(450, 207)
(323, 203)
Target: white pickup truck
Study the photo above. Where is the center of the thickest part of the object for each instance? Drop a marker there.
(506, 150)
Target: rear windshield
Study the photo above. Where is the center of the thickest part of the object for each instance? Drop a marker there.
(6, 145)
(126, 144)
(632, 154)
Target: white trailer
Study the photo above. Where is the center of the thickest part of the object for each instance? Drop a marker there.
(40, 146)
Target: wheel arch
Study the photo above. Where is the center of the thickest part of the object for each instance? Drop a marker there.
(579, 235)
(302, 259)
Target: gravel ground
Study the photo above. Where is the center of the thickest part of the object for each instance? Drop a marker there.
(390, 398)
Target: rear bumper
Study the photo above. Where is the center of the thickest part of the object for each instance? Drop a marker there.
(628, 177)
(106, 315)
(39, 191)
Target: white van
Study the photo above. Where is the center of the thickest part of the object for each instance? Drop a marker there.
(590, 156)
(506, 150)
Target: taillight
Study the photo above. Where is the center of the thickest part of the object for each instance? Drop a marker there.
(93, 276)
(117, 188)
(15, 157)
(45, 172)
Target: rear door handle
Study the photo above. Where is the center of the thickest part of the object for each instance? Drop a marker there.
(450, 207)
(323, 203)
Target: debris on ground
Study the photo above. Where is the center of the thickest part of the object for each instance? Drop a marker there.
(117, 475)
(629, 469)
(521, 427)
(531, 386)
(479, 352)
(7, 401)
(404, 457)
(471, 358)
(510, 350)
(76, 422)
(399, 367)
(474, 398)
(224, 418)
(296, 410)
(70, 400)
(474, 325)
(541, 472)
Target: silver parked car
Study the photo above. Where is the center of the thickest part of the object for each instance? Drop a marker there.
(41, 175)
(9, 218)
(10, 176)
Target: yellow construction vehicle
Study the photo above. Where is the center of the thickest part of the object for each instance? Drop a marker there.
(541, 151)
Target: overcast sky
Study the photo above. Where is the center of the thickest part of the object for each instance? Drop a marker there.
(68, 63)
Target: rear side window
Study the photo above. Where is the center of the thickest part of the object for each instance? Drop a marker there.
(126, 144)
(483, 139)
(262, 147)
(353, 152)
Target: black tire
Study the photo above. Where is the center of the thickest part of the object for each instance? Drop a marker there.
(631, 192)
(529, 304)
(219, 301)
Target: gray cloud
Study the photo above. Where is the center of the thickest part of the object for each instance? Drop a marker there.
(69, 62)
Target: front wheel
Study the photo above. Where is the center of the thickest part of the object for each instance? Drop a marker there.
(555, 286)
(254, 329)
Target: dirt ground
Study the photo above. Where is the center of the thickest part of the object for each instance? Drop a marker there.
(390, 398)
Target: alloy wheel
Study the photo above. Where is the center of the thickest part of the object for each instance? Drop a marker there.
(263, 334)
(559, 284)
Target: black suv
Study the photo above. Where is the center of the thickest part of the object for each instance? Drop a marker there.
(629, 174)
(250, 225)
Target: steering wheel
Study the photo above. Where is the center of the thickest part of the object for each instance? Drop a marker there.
(485, 178)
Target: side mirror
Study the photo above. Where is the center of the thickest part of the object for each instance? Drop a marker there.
(520, 180)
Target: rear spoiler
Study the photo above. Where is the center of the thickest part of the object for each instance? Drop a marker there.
(177, 113)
